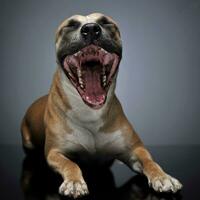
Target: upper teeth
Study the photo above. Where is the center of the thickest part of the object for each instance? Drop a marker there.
(82, 53)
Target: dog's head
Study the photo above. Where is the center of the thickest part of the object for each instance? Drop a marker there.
(89, 51)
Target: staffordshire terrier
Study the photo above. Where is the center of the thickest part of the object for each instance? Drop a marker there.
(81, 120)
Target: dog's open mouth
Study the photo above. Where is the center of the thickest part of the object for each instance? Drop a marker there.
(91, 71)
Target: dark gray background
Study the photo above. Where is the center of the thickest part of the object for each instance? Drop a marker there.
(159, 79)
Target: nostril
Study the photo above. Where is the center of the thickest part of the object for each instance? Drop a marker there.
(97, 30)
(85, 30)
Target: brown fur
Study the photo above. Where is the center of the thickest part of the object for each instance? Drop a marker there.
(33, 122)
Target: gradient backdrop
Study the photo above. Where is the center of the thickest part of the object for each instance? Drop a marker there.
(159, 79)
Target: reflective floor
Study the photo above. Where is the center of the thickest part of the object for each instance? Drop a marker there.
(30, 178)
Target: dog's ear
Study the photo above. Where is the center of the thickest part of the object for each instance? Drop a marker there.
(59, 31)
(57, 35)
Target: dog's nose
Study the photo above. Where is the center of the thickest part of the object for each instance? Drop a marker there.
(91, 31)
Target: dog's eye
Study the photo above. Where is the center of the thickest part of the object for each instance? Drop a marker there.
(72, 24)
(104, 22)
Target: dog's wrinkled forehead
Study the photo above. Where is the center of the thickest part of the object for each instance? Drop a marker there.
(81, 20)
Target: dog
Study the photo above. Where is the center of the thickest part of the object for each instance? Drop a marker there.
(81, 120)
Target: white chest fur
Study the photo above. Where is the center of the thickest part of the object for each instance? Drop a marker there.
(86, 137)
(94, 145)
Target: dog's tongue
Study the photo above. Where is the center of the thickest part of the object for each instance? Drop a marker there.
(94, 93)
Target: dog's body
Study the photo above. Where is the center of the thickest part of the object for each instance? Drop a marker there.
(74, 124)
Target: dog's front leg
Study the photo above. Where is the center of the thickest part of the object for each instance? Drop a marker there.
(73, 184)
(141, 161)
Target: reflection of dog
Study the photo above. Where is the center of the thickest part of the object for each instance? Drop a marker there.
(81, 119)
(36, 174)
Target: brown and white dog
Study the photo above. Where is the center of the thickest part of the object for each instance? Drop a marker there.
(81, 119)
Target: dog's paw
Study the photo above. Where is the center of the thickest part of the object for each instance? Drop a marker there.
(73, 189)
(165, 183)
